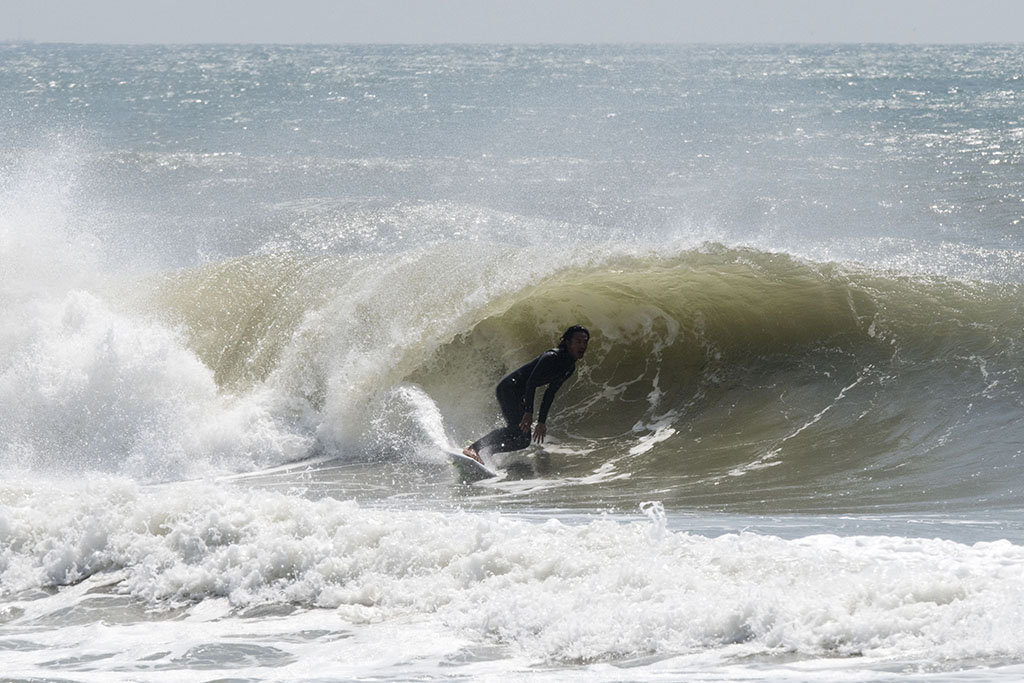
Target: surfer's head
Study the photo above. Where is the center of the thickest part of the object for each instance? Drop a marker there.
(575, 341)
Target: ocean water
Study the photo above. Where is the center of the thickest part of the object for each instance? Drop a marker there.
(251, 293)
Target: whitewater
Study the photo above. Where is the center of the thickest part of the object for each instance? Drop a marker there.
(251, 294)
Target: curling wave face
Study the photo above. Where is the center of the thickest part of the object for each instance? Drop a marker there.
(731, 376)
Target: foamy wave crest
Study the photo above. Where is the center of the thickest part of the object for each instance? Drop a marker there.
(90, 384)
(88, 388)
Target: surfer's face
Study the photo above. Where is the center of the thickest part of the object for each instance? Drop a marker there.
(577, 346)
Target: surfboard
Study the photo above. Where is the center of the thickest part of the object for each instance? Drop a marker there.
(470, 470)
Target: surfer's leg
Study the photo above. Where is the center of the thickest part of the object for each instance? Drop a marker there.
(510, 437)
(500, 440)
(511, 402)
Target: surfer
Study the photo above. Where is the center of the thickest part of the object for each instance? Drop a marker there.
(516, 391)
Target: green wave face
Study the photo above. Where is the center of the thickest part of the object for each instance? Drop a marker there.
(732, 369)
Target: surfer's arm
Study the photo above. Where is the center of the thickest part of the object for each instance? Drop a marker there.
(548, 369)
(545, 369)
(549, 397)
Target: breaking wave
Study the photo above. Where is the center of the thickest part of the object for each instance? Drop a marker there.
(725, 370)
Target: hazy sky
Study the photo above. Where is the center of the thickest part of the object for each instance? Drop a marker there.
(511, 21)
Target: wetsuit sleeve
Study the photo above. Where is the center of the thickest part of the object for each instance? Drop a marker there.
(549, 396)
(549, 369)
(540, 375)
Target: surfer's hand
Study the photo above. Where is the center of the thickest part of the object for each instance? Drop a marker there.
(526, 422)
(539, 432)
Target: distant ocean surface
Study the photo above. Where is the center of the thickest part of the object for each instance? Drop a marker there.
(250, 294)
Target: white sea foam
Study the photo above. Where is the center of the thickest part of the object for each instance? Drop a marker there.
(543, 592)
(89, 388)
(87, 383)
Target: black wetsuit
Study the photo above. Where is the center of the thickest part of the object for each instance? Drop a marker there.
(515, 396)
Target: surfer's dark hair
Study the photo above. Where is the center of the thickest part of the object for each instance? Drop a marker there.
(563, 343)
